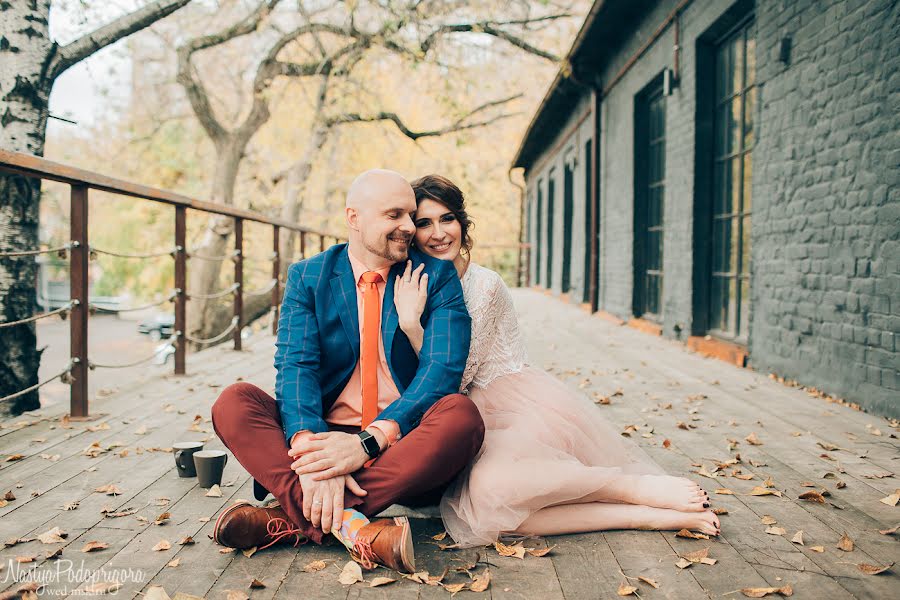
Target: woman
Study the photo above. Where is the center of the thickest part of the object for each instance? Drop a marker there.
(550, 464)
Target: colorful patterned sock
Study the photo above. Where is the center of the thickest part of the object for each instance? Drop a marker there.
(351, 523)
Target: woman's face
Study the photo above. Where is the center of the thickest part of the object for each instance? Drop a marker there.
(438, 232)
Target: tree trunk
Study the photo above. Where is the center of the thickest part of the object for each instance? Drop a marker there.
(204, 320)
(25, 48)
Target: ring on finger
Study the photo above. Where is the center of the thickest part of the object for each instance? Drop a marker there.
(317, 503)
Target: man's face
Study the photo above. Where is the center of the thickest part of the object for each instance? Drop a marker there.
(385, 223)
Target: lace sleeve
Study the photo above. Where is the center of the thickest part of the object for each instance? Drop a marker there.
(497, 347)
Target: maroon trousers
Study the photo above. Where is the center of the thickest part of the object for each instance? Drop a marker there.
(414, 471)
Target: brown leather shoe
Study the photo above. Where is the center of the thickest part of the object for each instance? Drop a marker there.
(243, 525)
(387, 542)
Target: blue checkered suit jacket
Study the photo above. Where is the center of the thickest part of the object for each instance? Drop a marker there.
(318, 341)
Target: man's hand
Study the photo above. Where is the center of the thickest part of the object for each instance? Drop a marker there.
(323, 501)
(327, 455)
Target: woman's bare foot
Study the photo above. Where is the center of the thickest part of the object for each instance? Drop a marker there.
(659, 491)
(666, 519)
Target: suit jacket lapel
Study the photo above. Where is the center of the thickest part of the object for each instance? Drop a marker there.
(343, 287)
(389, 319)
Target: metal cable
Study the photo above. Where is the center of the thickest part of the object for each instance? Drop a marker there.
(125, 255)
(223, 257)
(224, 292)
(92, 365)
(65, 308)
(171, 297)
(33, 252)
(221, 336)
(265, 290)
(67, 370)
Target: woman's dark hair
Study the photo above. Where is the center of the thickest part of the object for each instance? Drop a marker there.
(442, 190)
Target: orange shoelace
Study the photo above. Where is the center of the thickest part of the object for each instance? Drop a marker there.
(363, 554)
(279, 528)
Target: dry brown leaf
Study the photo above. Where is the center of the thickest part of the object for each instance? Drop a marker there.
(775, 530)
(70, 505)
(419, 577)
(9, 496)
(316, 565)
(798, 538)
(725, 492)
(667, 443)
(256, 584)
(873, 569)
(625, 589)
(845, 543)
(687, 533)
(25, 559)
(753, 440)
(768, 520)
(481, 582)
(236, 595)
(53, 555)
(156, 592)
(516, 550)
(53, 536)
(226, 550)
(14, 457)
(812, 496)
(893, 499)
(745, 477)
(786, 590)
(103, 587)
(890, 531)
(648, 581)
(454, 588)
(186, 540)
(93, 546)
(379, 581)
(161, 519)
(439, 537)
(720, 511)
(121, 513)
(697, 556)
(540, 552)
(109, 490)
(819, 549)
(214, 492)
(162, 545)
(768, 483)
(248, 552)
(351, 573)
(761, 491)
(683, 563)
(174, 563)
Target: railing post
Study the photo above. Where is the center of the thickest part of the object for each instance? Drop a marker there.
(276, 275)
(180, 290)
(238, 278)
(302, 245)
(321, 242)
(78, 286)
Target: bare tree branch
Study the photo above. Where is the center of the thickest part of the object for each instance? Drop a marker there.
(110, 33)
(492, 28)
(458, 125)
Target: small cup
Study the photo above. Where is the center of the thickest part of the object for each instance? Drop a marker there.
(184, 460)
(210, 465)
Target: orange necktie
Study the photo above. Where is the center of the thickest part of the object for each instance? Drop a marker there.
(369, 356)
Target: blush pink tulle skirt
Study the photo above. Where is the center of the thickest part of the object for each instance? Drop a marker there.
(544, 444)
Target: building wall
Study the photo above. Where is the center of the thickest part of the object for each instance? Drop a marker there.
(826, 238)
(825, 235)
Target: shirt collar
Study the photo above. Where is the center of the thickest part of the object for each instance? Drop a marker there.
(359, 268)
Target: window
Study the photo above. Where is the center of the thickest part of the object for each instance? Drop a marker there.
(539, 231)
(735, 101)
(568, 209)
(649, 217)
(548, 241)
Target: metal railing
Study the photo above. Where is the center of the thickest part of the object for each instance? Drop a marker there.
(80, 253)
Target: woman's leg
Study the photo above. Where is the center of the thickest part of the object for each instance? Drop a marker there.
(600, 516)
(659, 491)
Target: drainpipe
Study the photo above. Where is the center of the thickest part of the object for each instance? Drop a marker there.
(524, 271)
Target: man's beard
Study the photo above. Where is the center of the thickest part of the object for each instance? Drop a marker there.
(387, 251)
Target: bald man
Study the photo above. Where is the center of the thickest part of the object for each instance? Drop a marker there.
(359, 421)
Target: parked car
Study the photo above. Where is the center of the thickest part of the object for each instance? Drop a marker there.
(158, 327)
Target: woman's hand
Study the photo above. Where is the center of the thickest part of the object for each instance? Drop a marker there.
(410, 296)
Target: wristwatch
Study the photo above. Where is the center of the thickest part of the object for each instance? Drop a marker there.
(369, 443)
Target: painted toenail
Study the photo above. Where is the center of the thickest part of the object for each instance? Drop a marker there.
(706, 505)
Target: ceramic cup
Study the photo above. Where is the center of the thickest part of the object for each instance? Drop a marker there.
(184, 460)
(210, 465)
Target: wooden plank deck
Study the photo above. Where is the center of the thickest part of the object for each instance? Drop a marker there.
(658, 384)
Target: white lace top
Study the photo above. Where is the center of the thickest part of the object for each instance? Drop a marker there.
(497, 348)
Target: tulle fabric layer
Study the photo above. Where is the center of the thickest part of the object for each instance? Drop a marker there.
(544, 445)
